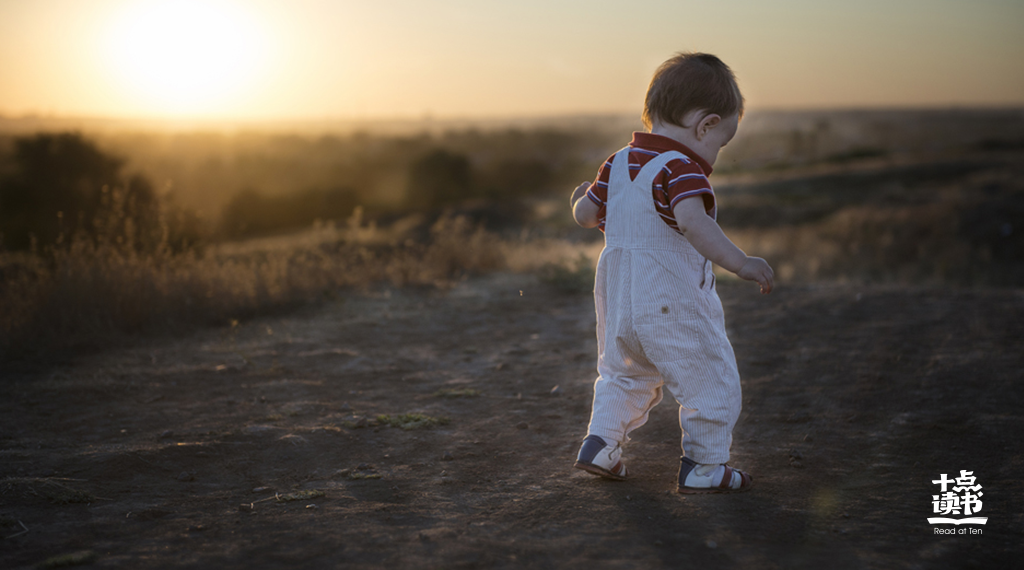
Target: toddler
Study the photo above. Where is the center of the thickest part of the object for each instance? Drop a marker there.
(659, 318)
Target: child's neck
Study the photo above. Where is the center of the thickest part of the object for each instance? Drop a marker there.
(682, 135)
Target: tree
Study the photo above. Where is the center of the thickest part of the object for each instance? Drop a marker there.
(439, 178)
(60, 185)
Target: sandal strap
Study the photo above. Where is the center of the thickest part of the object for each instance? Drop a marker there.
(726, 478)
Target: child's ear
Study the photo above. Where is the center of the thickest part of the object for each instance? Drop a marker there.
(706, 124)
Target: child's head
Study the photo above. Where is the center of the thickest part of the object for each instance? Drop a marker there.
(691, 82)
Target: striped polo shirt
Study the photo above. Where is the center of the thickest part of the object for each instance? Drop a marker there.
(680, 178)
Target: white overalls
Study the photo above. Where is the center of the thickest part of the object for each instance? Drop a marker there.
(659, 322)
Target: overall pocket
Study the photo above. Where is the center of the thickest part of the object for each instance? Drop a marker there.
(668, 331)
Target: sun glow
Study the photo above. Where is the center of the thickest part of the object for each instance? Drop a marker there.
(187, 57)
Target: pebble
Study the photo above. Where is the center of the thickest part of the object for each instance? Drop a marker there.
(523, 425)
(166, 434)
(447, 456)
(312, 506)
(711, 544)
(185, 477)
(556, 391)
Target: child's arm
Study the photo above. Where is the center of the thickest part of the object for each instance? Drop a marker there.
(584, 210)
(708, 239)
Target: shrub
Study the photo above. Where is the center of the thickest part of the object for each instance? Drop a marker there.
(89, 293)
(576, 278)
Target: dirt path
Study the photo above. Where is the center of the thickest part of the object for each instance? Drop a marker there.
(855, 399)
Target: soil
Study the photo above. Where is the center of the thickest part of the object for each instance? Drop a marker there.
(259, 445)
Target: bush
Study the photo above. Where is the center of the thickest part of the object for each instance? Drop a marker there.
(63, 184)
(439, 178)
(575, 279)
(250, 213)
(94, 292)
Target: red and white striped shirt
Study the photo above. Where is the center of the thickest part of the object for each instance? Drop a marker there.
(679, 179)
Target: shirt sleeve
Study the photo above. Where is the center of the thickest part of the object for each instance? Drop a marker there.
(684, 180)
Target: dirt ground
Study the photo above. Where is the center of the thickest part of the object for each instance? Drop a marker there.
(184, 453)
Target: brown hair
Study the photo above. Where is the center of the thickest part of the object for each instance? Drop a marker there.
(691, 81)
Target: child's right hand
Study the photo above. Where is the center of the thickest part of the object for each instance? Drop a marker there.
(578, 193)
(757, 269)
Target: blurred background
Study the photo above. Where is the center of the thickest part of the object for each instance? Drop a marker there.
(168, 164)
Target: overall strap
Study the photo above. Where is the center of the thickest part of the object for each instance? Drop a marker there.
(645, 178)
(619, 176)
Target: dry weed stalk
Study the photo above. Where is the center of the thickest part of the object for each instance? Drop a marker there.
(88, 290)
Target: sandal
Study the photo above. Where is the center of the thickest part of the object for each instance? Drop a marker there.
(601, 459)
(729, 480)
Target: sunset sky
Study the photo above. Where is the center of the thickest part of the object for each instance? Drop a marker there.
(309, 59)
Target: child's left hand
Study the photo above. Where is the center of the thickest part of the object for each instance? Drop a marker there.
(578, 193)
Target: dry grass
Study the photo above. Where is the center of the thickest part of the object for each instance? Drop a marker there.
(89, 292)
(904, 224)
(866, 244)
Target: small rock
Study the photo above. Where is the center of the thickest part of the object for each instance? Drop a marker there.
(166, 434)
(292, 439)
(500, 366)
(795, 454)
(345, 407)
(556, 391)
(658, 543)
(808, 438)
(447, 456)
(444, 473)
(246, 507)
(185, 477)
(263, 490)
(846, 515)
(312, 506)
(360, 423)
(197, 528)
(364, 467)
(523, 425)
(711, 544)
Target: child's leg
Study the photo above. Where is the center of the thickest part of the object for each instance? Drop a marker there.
(624, 393)
(710, 404)
(707, 387)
